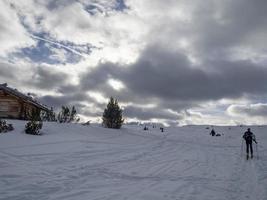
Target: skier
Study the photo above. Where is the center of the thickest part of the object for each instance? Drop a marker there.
(249, 137)
(212, 133)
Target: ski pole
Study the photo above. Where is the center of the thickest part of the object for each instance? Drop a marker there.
(257, 151)
(241, 152)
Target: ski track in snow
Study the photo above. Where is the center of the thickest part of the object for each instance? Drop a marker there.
(75, 162)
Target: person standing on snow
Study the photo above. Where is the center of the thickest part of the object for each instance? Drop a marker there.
(212, 133)
(249, 137)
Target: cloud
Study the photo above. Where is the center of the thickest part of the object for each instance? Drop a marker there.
(180, 56)
(98, 24)
(62, 100)
(169, 76)
(5, 71)
(170, 80)
(251, 110)
(13, 35)
(36, 78)
(45, 78)
(250, 114)
(149, 113)
(85, 105)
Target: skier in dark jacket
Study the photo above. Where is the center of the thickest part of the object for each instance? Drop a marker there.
(249, 137)
(212, 133)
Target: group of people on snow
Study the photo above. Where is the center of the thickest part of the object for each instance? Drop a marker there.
(249, 137)
(212, 133)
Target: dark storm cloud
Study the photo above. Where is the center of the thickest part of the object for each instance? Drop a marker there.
(168, 76)
(149, 113)
(65, 99)
(47, 78)
(168, 79)
(76, 99)
(165, 75)
(97, 78)
(69, 89)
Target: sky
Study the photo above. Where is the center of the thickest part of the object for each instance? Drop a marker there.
(175, 62)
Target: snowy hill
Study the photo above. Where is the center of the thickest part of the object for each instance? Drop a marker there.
(74, 162)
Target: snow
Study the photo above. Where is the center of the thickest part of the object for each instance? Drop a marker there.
(70, 161)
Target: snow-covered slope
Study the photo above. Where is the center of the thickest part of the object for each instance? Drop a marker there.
(74, 162)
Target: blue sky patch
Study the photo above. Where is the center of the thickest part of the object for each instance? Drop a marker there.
(47, 52)
(120, 5)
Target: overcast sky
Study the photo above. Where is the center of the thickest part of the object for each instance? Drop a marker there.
(171, 61)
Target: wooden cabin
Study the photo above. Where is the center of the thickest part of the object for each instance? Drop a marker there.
(16, 105)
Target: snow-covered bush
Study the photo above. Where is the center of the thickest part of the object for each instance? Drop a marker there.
(33, 127)
(4, 127)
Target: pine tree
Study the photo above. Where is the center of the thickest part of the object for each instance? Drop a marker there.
(73, 114)
(48, 115)
(64, 114)
(53, 115)
(59, 118)
(67, 115)
(112, 116)
(34, 126)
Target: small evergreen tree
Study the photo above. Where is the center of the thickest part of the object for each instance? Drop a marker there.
(4, 127)
(67, 115)
(48, 115)
(112, 116)
(34, 126)
(73, 114)
(63, 115)
(59, 119)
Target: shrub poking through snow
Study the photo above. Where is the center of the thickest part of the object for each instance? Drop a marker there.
(67, 115)
(86, 123)
(34, 126)
(112, 116)
(4, 127)
(49, 116)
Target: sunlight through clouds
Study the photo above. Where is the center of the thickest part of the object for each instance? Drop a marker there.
(116, 84)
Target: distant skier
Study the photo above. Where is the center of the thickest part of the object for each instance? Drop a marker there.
(212, 133)
(249, 137)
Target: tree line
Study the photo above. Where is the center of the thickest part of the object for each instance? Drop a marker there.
(111, 118)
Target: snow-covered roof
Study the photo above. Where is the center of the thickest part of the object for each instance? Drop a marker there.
(23, 97)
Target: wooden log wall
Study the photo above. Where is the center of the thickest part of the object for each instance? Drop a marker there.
(9, 106)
